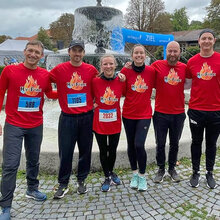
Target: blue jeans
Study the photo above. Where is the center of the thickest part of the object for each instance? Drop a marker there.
(12, 146)
(200, 121)
(162, 124)
(74, 128)
(136, 133)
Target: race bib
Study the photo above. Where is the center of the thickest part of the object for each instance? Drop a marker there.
(29, 104)
(76, 100)
(107, 115)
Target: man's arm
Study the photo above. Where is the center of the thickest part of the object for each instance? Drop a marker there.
(3, 88)
(52, 94)
(188, 83)
(2, 95)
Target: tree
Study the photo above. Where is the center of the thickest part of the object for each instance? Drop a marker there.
(62, 29)
(141, 14)
(44, 38)
(162, 23)
(4, 38)
(213, 17)
(195, 25)
(180, 20)
(158, 54)
(190, 51)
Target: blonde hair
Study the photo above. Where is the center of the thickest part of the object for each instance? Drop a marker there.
(105, 56)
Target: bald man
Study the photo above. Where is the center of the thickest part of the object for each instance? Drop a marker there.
(169, 114)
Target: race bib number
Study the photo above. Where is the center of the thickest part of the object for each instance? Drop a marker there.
(29, 104)
(107, 115)
(76, 100)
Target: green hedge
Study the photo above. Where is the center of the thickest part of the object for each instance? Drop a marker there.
(1, 68)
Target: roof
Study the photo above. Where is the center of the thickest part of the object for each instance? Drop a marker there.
(192, 35)
(22, 38)
(16, 45)
(34, 37)
(13, 45)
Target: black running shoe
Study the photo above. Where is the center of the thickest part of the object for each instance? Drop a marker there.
(61, 192)
(159, 176)
(210, 180)
(81, 187)
(194, 180)
(174, 175)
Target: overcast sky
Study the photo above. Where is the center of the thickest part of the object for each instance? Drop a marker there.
(25, 17)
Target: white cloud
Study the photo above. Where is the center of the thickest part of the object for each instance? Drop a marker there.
(25, 17)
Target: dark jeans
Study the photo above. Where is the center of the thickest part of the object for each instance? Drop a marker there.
(12, 146)
(162, 124)
(74, 128)
(136, 133)
(107, 146)
(200, 121)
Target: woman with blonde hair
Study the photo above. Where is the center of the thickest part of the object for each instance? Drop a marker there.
(107, 90)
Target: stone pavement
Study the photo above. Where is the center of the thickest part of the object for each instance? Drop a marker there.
(167, 200)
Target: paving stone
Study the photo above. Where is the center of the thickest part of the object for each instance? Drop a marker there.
(167, 200)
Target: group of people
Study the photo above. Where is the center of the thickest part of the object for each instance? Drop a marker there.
(90, 102)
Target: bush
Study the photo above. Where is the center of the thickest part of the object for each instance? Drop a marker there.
(1, 68)
(159, 53)
(190, 51)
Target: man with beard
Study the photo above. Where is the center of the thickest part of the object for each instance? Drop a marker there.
(204, 105)
(169, 112)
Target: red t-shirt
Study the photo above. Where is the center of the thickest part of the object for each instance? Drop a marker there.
(205, 75)
(25, 94)
(107, 115)
(74, 86)
(137, 103)
(169, 87)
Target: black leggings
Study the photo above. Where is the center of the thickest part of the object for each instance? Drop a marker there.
(136, 132)
(107, 146)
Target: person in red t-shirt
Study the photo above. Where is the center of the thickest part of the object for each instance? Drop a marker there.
(169, 109)
(74, 88)
(107, 90)
(204, 105)
(137, 113)
(26, 84)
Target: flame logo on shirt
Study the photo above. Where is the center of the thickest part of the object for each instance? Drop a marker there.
(30, 87)
(206, 72)
(76, 83)
(139, 85)
(172, 78)
(108, 98)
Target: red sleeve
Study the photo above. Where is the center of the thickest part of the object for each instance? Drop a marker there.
(124, 70)
(188, 72)
(1, 100)
(154, 77)
(124, 88)
(153, 65)
(3, 85)
(53, 74)
(52, 94)
(93, 87)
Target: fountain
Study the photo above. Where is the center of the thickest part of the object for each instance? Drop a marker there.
(94, 25)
